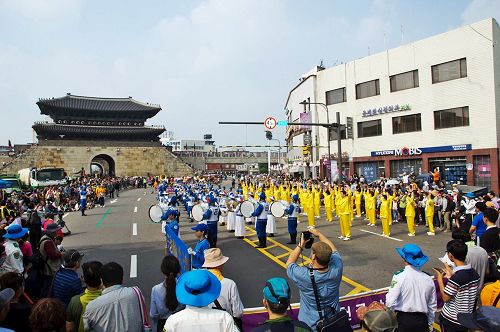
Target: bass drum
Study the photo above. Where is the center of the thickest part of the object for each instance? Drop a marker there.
(278, 209)
(155, 213)
(198, 212)
(224, 212)
(247, 208)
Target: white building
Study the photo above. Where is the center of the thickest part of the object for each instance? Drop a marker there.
(434, 103)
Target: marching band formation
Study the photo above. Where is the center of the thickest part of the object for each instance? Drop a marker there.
(262, 200)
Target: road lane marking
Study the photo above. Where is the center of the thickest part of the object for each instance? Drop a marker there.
(113, 201)
(99, 223)
(135, 209)
(139, 199)
(134, 229)
(277, 258)
(133, 266)
(387, 237)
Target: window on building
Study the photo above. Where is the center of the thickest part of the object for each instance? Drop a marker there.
(335, 96)
(406, 124)
(449, 71)
(453, 117)
(367, 89)
(404, 81)
(370, 128)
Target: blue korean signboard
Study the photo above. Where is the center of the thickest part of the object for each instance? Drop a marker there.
(406, 151)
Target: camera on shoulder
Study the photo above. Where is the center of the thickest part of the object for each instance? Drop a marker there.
(308, 239)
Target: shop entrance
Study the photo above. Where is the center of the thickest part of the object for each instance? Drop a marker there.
(451, 170)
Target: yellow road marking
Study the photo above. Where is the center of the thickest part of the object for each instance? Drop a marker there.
(358, 288)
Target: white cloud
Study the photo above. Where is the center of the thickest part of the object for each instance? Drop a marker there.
(481, 9)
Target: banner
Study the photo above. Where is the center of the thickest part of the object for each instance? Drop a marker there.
(177, 248)
(334, 170)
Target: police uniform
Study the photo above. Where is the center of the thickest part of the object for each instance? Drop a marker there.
(412, 296)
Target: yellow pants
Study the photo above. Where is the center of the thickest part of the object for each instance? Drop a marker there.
(345, 227)
(371, 216)
(430, 222)
(411, 224)
(390, 217)
(351, 217)
(358, 210)
(316, 210)
(310, 217)
(329, 216)
(385, 226)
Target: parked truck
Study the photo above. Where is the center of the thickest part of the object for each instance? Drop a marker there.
(10, 183)
(42, 177)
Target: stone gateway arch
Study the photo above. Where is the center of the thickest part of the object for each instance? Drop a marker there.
(108, 133)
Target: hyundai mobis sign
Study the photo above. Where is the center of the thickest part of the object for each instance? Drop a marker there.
(406, 151)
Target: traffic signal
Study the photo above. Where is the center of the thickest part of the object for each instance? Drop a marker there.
(349, 125)
(269, 135)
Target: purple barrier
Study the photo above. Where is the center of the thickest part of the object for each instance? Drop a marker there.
(254, 317)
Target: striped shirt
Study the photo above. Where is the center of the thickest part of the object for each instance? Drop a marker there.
(66, 284)
(463, 288)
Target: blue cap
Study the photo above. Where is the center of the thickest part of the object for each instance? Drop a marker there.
(277, 290)
(15, 232)
(262, 195)
(413, 255)
(198, 288)
(470, 195)
(200, 227)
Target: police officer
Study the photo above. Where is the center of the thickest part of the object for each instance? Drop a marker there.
(261, 213)
(212, 218)
(293, 211)
(83, 199)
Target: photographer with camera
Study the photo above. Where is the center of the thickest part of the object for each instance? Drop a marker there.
(319, 283)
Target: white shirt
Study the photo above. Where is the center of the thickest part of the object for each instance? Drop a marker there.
(206, 319)
(229, 298)
(412, 291)
(14, 260)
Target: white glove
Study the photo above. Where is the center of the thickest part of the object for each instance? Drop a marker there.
(190, 251)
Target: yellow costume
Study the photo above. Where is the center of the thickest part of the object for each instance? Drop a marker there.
(429, 213)
(327, 198)
(343, 211)
(316, 201)
(384, 215)
(357, 201)
(410, 214)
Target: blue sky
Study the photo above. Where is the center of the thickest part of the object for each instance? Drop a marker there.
(202, 61)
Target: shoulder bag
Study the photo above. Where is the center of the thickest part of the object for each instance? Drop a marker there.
(335, 321)
(146, 324)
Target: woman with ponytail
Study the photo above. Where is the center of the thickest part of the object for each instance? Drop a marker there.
(163, 299)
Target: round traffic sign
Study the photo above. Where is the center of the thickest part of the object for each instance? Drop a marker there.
(270, 122)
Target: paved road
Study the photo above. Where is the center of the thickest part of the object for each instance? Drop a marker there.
(107, 234)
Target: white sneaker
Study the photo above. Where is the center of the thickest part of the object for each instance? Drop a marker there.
(372, 225)
(368, 224)
(341, 237)
(346, 238)
(431, 233)
(410, 234)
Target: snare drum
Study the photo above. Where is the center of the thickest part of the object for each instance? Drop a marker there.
(247, 208)
(155, 213)
(198, 212)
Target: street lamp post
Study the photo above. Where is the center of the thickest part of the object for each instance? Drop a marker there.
(328, 128)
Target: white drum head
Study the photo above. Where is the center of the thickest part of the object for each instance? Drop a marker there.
(247, 208)
(223, 212)
(198, 212)
(277, 209)
(155, 213)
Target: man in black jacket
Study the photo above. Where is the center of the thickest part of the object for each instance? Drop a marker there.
(489, 240)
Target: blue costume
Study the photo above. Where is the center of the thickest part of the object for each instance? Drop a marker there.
(212, 218)
(199, 250)
(293, 211)
(83, 199)
(173, 224)
(261, 213)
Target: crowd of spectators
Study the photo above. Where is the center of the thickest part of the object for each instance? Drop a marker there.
(41, 290)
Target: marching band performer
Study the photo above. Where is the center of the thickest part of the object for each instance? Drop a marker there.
(231, 216)
(271, 221)
(343, 211)
(83, 199)
(410, 213)
(212, 218)
(201, 231)
(239, 225)
(261, 213)
(293, 212)
(309, 206)
(327, 199)
(223, 206)
(384, 215)
(169, 217)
